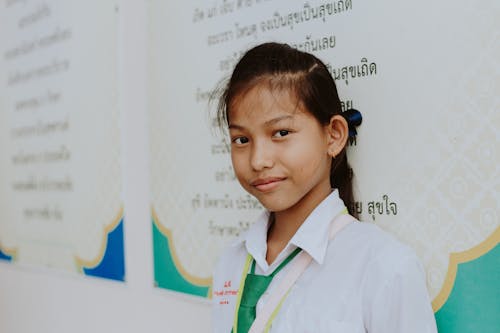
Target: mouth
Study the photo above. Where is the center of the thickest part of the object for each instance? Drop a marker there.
(267, 184)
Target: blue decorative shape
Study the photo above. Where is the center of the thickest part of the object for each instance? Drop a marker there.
(112, 265)
(3, 256)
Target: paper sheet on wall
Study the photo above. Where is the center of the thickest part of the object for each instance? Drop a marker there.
(426, 157)
(60, 173)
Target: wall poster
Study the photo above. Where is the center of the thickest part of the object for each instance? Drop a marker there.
(60, 167)
(426, 156)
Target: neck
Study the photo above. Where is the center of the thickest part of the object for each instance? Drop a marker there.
(283, 228)
(284, 225)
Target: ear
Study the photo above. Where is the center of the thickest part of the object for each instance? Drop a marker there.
(337, 134)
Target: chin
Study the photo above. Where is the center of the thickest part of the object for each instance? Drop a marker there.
(274, 206)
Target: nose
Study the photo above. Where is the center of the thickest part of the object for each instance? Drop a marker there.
(261, 156)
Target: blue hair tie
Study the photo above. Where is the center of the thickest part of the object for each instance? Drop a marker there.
(354, 119)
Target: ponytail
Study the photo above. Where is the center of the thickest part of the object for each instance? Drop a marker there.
(341, 176)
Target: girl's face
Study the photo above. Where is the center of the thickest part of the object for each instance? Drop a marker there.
(281, 154)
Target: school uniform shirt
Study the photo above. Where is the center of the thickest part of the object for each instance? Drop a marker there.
(363, 280)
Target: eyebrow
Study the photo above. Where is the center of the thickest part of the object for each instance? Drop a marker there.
(267, 123)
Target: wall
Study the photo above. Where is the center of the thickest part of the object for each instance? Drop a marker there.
(34, 299)
(430, 109)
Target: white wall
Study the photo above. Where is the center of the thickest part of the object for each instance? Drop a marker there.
(425, 70)
(43, 300)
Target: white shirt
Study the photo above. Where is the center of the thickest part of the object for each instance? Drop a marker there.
(363, 280)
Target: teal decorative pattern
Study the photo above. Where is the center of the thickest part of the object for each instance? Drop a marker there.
(474, 302)
(167, 274)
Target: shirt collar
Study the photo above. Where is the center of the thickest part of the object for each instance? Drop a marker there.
(256, 239)
(312, 236)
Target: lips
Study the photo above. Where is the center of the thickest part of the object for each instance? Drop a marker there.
(267, 184)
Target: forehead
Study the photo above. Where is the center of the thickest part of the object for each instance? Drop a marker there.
(262, 101)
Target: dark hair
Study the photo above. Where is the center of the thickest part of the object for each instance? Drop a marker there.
(303, 74)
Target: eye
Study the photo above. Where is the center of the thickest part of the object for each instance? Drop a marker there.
(281, 133)
(240, 140)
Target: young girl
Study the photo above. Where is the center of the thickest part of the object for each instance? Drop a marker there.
(304, 266)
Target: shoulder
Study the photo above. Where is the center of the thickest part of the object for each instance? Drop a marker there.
(382, 259)
(229, 261)
(231, 256)
(371, 241)
(392, 285)
(225, 285)
(374, 253)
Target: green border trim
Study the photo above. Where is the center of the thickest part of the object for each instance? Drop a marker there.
(167, 273)
(474, 302)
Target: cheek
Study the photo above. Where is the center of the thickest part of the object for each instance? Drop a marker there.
(239, 165)
(306, 154)
(311, 163)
